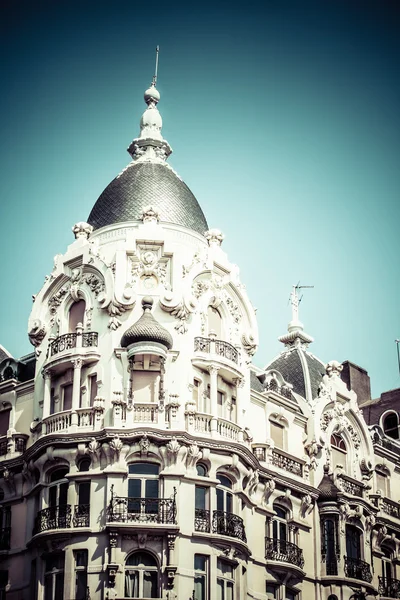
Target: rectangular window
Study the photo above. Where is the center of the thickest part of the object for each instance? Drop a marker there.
(67, 396)
(200, 577)
(196, 393)
(225, 580)
(291, 595)
(54, 577)
(277, 432)
(92, 388)
(52, 401)
(272, 591)
(233, 410)
(220, 403)
(33, 581)
(81, 562)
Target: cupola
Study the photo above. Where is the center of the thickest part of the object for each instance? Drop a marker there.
(147, 334)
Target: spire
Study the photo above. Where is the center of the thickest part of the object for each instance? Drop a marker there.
(296, 336)
(150, 146)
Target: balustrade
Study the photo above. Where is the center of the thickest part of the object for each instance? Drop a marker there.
(388, 587)
(278, 459)
(145, 413)
(226, 523)
(283, 551)
(349, 486)
(15, 443)
(357, 569)
(202, 520)
(219, 347)
(390, 507)
(58, 422)
(142, 510)
(202, 423)
(260, 452)
(229, 430)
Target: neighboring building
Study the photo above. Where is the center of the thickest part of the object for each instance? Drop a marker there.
(143, 455)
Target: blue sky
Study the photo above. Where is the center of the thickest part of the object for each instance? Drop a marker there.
(284, 121)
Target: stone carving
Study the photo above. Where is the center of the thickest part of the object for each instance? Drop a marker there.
(181, 309)
(313, 449)
(9, 479)
(28, 472)
(144, 445)
(233, 309)
(116, 445)
(249, 344)
(214, 237)
(173, 448)
(82, 230)
(57, 298)
(150, 266)
(269, 488)
(193, 455)
(37, 332)
(306, 506)
(253, 482)
(94, 283)
(199, 288)
(94, 448)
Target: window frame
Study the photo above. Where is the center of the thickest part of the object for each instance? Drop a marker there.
(141, 570)
(202, 574)
(226, 581)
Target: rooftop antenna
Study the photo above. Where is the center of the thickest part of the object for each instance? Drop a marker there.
(156, 69)
(398, 353)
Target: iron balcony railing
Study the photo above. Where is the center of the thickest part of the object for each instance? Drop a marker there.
(142, 510)
(278, 459)
(81, 515)
(54, 517)
(357, 569)
(224, 349)
(388, 587)
(202, 520)
(69, 341)
(61, 517)
(5, 537)
(226, 523)
(332, 567)
(283, 551)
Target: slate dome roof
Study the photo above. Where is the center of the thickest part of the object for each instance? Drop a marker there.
(148, 183)
(327, 489)
(147, 329)
(300, 368)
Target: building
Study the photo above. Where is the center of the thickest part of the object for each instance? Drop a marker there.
(142, 453)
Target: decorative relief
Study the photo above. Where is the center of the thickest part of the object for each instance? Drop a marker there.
(82, 230)
(37, 332)
(144, 445)
(269, 488)
(306, 506)
(150, 266)
(58, 297)
(253, 482)
(233, 309)
(199, 288)
(214, 237)
(249, 344)
(194, 454)
(94, 283)
(180, 308)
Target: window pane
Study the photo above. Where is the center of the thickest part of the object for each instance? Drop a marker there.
(59, 595)
(229, 503)
(84, 493)
(277, 434)
(200, 562)
(67, 397)
(225, 481)
(81, 585)
(63, 495)
(220, 589)
(229, 591)
(200, 587)
(150, 584)
(220, 499)
(152, 488)
(134, 488)
(143, 469)
(200, 497)
(48, 587)
(131, 584)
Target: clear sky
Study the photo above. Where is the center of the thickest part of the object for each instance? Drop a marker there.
(284, 121)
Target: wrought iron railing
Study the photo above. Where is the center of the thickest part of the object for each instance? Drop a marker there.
(388, 587)
(260, 453)
(283, 551)
(3, 447)
(282, 461)
(202, 520)
(220, 347)
(357, 569)
(202, 344)
(5, 536)
(332, 567)
(142, 510)
(273, 386)
(69, 341)
(226, 523)
(81, 515)
(226, 350)
(20, 444)
(54, 517)
(63, 342)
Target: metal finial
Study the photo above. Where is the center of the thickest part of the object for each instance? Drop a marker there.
(295, 300)
(156, 69)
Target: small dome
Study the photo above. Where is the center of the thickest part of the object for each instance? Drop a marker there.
(152, 94)
(144, 184)
(147, 329)
(327, 489)
(300, 368)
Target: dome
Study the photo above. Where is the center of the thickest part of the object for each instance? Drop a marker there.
(327, 489)
(146, 183)
(300, 368)
(147, 329)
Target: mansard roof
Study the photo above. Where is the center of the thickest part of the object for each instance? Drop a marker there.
(300, 368)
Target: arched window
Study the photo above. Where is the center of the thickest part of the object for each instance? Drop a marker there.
(214, 322)
(201, 470)
(143, 489)
(59, 510)
(76, 314)
(141, 576)
(279, 525)
(391, 425)
(339, 451)
(224, 494)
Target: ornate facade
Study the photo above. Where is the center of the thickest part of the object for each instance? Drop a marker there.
(142, 453)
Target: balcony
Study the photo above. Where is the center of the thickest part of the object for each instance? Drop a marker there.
(5, 537)
(350, 486)
(390, 507)
(222, 353)
(202, 520)
(286, 462)
(226, 523)
(389, 588)
(357, 569)
(142, 510)
(13, 444)
(81, 344)
(69, 341)
(284, 552)
(60, 517)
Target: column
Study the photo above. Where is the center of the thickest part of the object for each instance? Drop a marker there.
(76, 388)
(46, 393)
(161, 394)
(213, 370)
(239, 383)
